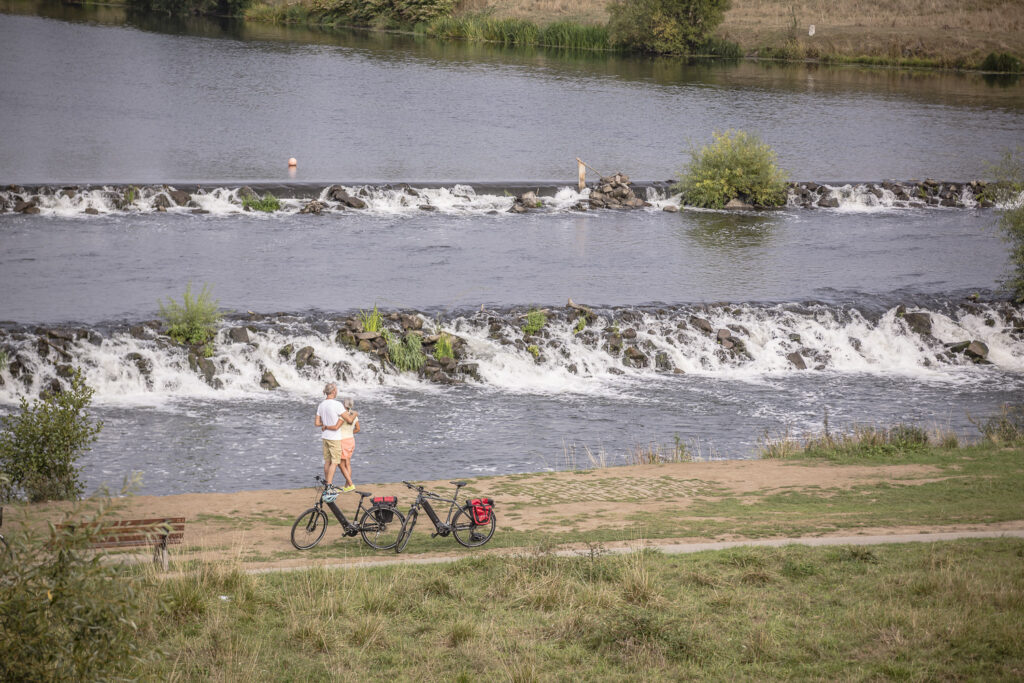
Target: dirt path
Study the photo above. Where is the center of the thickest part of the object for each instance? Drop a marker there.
(253, 527)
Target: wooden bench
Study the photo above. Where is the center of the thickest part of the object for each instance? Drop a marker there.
(128, 533)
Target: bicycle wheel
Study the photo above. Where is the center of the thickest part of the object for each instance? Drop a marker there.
(406, 533)
(468, 532)
(379, 533)
(309, 528)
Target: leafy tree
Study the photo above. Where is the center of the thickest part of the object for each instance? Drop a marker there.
(665, 26)
(41, 443)
(737, 165)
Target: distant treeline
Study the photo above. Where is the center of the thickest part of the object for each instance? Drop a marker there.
(214, 8)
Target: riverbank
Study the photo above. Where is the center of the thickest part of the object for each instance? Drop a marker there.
(974, 488)
(957, 35)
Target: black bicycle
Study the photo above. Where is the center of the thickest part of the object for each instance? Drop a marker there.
(380, 525)
(472, 524)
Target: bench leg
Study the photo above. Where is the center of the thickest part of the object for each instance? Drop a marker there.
(160, 555)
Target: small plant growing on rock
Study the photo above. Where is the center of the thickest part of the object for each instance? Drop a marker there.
(444, 349)
(534, 351)
(267, 203)
(194, 320)
(535, 322)
(737, 165)
(407, 355)
(372, 321)
(581, 324)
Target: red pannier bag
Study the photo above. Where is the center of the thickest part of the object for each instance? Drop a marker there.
(481, 508)
(387, 505)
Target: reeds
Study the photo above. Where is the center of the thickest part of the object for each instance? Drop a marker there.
(519, 33)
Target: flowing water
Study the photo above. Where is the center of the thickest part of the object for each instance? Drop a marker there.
(94, 100)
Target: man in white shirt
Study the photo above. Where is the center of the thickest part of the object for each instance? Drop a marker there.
(330, 415)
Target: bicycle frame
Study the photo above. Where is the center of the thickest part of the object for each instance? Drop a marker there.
(350, 528)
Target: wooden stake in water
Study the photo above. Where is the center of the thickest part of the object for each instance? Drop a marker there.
(582, 168)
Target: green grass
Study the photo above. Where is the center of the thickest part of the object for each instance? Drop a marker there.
(518, 32)
(372, 321)
(535, 322)
(443, 348)
(406, 354)
(943, 611)
(268, 203)
(195, 319)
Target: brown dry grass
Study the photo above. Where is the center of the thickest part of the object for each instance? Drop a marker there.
(884, 28)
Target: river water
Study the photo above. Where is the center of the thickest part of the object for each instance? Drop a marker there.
(95, 99)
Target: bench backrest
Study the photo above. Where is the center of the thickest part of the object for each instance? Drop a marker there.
(135, 532)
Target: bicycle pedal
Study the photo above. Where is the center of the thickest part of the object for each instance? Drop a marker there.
(434, 535)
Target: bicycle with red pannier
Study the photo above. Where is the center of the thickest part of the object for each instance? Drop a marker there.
(472, 523)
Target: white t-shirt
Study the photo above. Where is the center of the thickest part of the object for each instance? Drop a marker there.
(330, 411)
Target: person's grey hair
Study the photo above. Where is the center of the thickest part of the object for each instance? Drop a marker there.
(330, 388)
(347, 403)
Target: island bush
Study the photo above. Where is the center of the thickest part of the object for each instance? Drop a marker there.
(535, 322)
(41, 443)
(194, 320)
(737, 165)
(267, 203)
(665, 26)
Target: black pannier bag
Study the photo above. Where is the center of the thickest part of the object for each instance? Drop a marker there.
(481, 508)
(385, 511)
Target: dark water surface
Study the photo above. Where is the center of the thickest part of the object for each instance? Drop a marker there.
(86, 101)
(92, 95)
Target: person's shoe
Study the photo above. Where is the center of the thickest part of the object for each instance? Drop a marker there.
(350, 487)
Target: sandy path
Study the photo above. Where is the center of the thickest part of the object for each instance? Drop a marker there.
(253, 526)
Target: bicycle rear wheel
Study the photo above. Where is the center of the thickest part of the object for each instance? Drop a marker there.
(468, 532)
(309, 528)
(381, 527)
(406, 533)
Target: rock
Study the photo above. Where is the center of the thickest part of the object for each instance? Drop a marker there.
(246, 192)
(268, 381)
(365, 346)
(724, 334)
(793, 336)
(144, 365)
(91, 212)
(976, 351)
(828, 202)
(138, 332)
(614, 344)
(203, 366)
(629, 333)
(180, 197)
(958, 347)
(65, 371)
(855, 343)
(338, 194)
(797, 360)
(26, 207)
(919, 323)
(634, 357)
(411, 322)
(470, 369)
(239, 335)
(305, 357)
(662, 361)
(314, 207)
(427, 207)
(615, 371)
(701, 324)
(346, 337)
(670, 208)
(367, 336)
(517, 208)
(286, 351)
(161, 202)
(739, 205)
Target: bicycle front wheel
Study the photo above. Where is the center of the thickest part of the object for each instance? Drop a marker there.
(309, 528)
(406, 533)
(468, 532)
(381, 527)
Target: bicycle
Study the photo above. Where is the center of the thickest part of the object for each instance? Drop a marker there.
(472, 524)
(380, 526)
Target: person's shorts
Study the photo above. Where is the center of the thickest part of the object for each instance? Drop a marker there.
(348, 446)
(333, 451)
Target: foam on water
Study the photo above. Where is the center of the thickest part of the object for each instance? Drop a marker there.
(459, 199)
(612, 355)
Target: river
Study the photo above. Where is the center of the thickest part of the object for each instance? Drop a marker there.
(95, 99)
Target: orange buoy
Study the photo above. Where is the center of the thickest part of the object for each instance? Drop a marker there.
(292, 162)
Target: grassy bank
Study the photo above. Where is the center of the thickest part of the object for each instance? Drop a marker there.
(916, 33)
(919, 612)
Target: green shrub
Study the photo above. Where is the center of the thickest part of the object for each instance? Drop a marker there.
(66, 615)
(194, 320)
(664, 26)
(535, 322)
(1005, 428)
(217, 8)
(41, 443)
(737, 165)
(443, 349)
(269, 203)
(372, 321)
(382, 13)
(406, 355)
(581, 324)
(1001, 62)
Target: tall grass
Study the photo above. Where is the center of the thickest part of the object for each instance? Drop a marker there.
(443, 348)
(371, 321)
(859, 442)
(195, 319)
(406, 354)
(519, 32)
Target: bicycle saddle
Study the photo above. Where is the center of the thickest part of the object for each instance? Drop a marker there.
(459, 484)
(364, 494)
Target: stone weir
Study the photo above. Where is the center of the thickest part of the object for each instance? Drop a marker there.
(614, 192)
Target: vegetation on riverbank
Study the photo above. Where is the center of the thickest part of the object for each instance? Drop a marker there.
(905, 33)
(1008, 190)
(193, 321)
